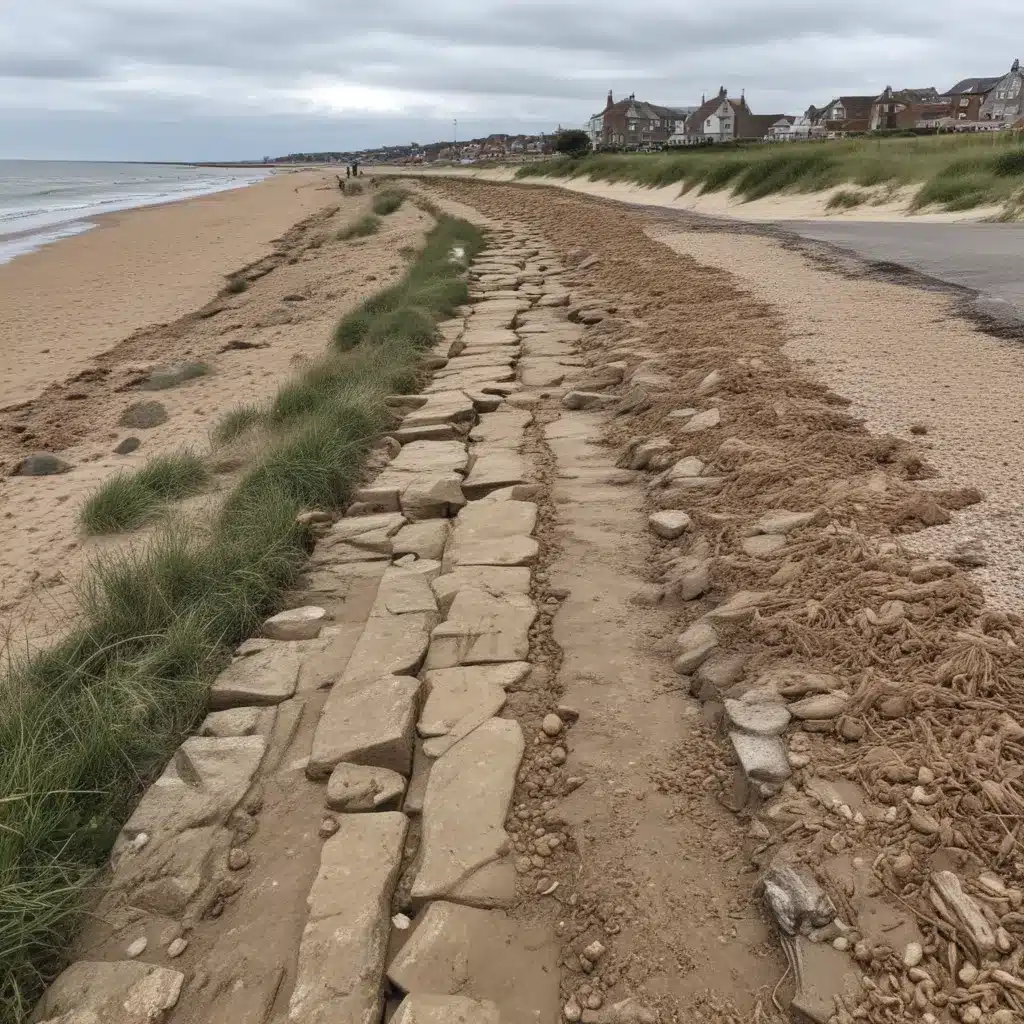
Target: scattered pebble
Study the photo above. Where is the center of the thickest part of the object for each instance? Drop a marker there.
(238, 859)
(913, 954)
(137, 948)
(558, 755)
(842, 944)
(401, 922)
(572, 1011)
(328, 827)
(177, 947)
(552, 725)
(140, 840)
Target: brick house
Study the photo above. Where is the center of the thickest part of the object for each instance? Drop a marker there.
(844, 114)
(895, 109)
(967, 97)
(634, 124)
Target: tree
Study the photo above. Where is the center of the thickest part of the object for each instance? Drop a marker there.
(572, 142)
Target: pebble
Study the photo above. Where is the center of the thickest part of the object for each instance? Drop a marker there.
(558, 755)
(913, 954)
(968, 974)
(542, 884)
(137, 948)
(328, 827)
(140, 840)
(925, 776)
(572, 1011)
(177, 947)
(401, 922)
(842, 944)
(594, 951)
(595, 1001)
(523, 865)
(552, 725)
(238, 859)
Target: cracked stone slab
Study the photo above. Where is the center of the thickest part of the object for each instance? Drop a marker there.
(502, 429)
(763, 758)
(347, 591)
(117, 992)
(238, 722)
(344, 946)
(366, 722)
(202, 783)
(457, 695)
(355, 787)
(268, 677)
(428, 1009)
(500, 467)
(439, 457)
(494, 533)
(404, 592)
(424, 540)
(431, 496)
(390, 645)
(468, 795)
(441, 407)
(494, 580)
(482, 629)
(541, 372)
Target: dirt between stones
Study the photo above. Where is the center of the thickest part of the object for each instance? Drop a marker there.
(915, 774)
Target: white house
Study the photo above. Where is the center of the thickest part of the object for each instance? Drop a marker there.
(790, 128)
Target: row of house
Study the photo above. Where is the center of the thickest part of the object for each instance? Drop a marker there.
(972, 104)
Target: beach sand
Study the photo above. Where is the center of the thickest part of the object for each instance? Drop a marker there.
(135, 295)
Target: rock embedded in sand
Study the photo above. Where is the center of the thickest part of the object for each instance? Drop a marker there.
(42, 464)
(820, 706)
(696, 644)
(144, 415)
(127, 446)
(552, 725)
(354, 787)
(669, 524)
(702, 421)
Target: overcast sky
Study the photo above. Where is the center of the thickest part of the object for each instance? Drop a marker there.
(232, 79)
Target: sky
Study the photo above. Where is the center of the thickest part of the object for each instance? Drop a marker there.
(241, 79)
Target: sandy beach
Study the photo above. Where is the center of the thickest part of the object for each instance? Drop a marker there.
(89, 318)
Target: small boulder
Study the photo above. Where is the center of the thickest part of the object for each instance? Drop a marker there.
(820, 707)
(702, 421)
(356, 787)
(695, 645)
(42, 464)
(763, 544)
(669, 524)
(144, 415)
(127, 446)
(295, 624)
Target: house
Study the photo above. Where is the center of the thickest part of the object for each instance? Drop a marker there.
(790, 128)
(1005, 100)
(967, 97)
(633, 124)
(844, 114)
(894, 109)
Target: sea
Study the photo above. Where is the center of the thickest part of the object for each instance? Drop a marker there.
(43, 201)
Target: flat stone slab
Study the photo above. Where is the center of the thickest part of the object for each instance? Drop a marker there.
(356, 787)
(502, 429)
(441, 407)
(346, 529)
(424, 540)
(404, 592)
(427, 1009)
(763, 758)
(493, 580)
(114, 992)
(390, 645)
(494, 533)
(432, 496)
(430, 432)
(684, 469)
(303, 623)
(492, 469)
(202, 784)
(763, 545)
(759, 718)
(702, 421)
(237, 722)
(468, 795)
(268, 677)
(782, 521)
(489, 337)
(482, 628)
(457, 695)
(347, 591)
(344, 945)
(439, 457)
(481, 955)
(366, 722)
(541, 372)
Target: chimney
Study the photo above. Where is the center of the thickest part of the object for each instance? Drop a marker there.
(610, 102)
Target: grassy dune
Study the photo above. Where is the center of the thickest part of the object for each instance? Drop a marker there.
(953, 172)
(86, 725)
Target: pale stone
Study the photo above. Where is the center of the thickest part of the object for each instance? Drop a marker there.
(696, 644)
(702, 421)
(741, 607)
(337, 543)
(431, 1009)
(503, 429)
(467, 800)
(669, 524)
(490, 533)
(763, 758)
(781, 521)
(390, 645)
(709, 383)
(354, 787)
(110, 992)
(685, 469)
(644, 453)
(758, 719)
(494, 580)
(201, 785)
(820, 706)
(499, 467)
(234, 722)
(481, 628)
(404, 591)
(368, 723)
(433, 432)
(763, 545)
(436, 457)
(424, 540)
(341, 957)
(693, 584)
(268, 677)
(588, 400)
(458, 694)
(432, 497)
(295, 624)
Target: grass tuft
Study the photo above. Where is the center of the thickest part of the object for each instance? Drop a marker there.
(845, 199)
(128, 500)
(237, 422)
(388, 200)
(368, 225)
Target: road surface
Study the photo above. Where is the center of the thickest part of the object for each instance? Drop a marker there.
(986, 258)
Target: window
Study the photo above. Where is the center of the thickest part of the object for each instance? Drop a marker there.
(964, 101)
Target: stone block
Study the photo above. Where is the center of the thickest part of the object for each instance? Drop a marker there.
(303, 623)
(201, 785)
(424, 540)
(702, 421)
(760, 718)
(268, 677)
(115, 992)
(763, 758)
(464, 810)
(366, 722)
(669, 524)
(390, 645)
(427, 1009)
(503, 429)
(344, 946)
(355, 787)
(237, 722)
(500, 467)
(435, 457)
(481, 629)
(404, 591)
(432, 497)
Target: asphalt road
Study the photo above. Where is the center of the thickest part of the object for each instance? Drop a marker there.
(988, 259)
